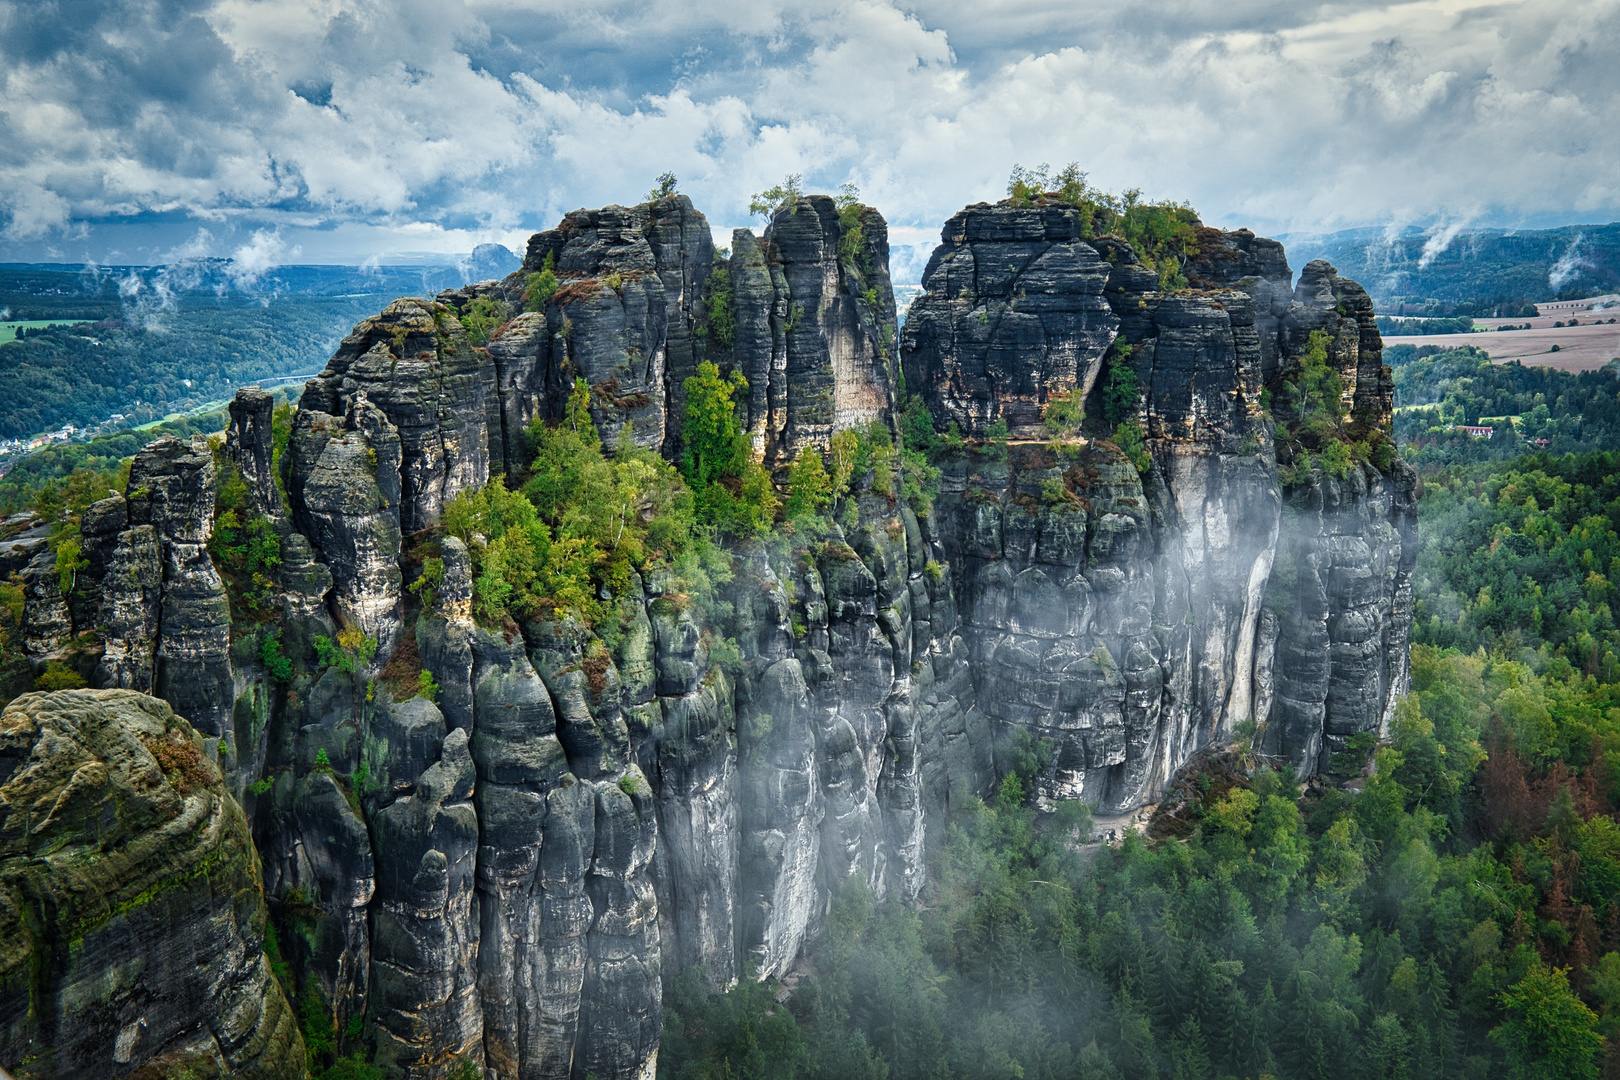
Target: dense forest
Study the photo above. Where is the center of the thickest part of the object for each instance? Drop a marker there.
(1479, 272)
(1452, 912)
(1390, 326)
(1438, 389)
(84, 373)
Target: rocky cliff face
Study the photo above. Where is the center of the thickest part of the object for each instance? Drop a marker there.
(132, 912)
(506, 874)
(1013, 317)
(1135, 618)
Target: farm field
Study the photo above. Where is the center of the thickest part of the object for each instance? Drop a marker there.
(8, 330)
(1585, 347)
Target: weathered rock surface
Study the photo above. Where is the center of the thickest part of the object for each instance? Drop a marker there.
(815, 324)
(47, 625)
(131, 910)
(625, 316)
(344, 481)
(506, 875)
(1135, 620)
(1012, 317)
(250, 443)
(171, 489)
(429, 396)
(131, 606)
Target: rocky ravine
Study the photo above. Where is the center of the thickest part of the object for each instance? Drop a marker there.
(507, 876)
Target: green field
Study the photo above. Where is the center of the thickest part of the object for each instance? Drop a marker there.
(8, 330)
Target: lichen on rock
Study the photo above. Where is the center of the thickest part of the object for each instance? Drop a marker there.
(132, 912)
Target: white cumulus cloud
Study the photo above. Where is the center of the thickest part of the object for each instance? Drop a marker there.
(342, 126)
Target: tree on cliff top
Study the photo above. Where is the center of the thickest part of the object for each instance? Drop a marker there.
(765, 202)
(663, 188)
(1163, 234)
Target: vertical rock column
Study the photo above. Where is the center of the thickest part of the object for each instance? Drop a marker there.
(47, 625)
(691, 761)
(834, 311)
(250, 442)
(519, 352)
(131, 605)
(603, 812)
(414, 364)
(171, 488)
(1213, 486)
(425, 922)
(343, 481)
(629, 278)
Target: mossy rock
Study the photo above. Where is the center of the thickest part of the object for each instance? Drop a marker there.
(131, 911)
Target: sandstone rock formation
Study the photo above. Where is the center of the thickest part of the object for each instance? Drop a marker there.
(1012, 317)
(505, 875)
(1172, 627)
(132, 913)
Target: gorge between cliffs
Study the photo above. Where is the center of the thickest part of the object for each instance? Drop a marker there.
(493, 833)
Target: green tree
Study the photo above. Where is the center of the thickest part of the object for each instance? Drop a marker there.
(721, 324)
(741, 1034)
(1548, 1031)
(485, 315)
(539, 288)
(1131, 439)
(1121, 393)
(662, 188)
(995, 439)
(809, 486)
(788, 191)
(715, 444)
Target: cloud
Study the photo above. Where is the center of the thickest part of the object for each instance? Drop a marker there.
(1569, 265)
(1439, 239)
(320, 122)
(250, 262)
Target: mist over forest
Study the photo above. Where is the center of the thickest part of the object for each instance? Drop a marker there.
(713, 542)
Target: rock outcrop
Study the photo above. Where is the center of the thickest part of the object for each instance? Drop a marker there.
(171, 489)
(503, 871)
(1135, 619)
(1012, 317)
(132, 914)
(814, 318)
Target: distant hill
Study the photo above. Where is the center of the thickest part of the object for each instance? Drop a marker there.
(83, 373)
(76, 291)
(1499, 273)
(165, 339)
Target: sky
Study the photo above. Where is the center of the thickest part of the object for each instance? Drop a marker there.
(273, 131)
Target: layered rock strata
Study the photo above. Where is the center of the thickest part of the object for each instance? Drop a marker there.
(505, 872)
(1012, 317)
(1134, 619)
(805, 312)
(132, 914)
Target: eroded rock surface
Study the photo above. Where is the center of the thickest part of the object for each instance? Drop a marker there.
(132, 913)
(505, 871)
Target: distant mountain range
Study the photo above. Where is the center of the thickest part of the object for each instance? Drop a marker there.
(1480, 272)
